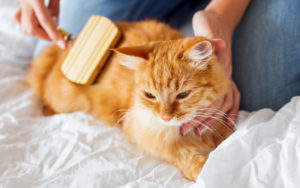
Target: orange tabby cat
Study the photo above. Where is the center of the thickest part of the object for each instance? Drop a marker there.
(158, 77)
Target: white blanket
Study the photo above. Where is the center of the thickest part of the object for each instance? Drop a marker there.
(75, 150)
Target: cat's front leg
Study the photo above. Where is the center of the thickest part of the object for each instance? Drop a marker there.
(190, 164)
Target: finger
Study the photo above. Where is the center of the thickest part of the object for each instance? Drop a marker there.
(40, 33)
(54, 8)
(201, 117)
(205, 126)
(217, 104)
(228, 100)
(199, 130)
(18, 16)
(30, 24)
(219, 49)
(184, 129)
(222, 51)
(231, 119)
(232, 112)
(45, 21)
(203, 114)
(236, 104)
(205, 117)
(208, 122)
(28, 21)
(219, 45)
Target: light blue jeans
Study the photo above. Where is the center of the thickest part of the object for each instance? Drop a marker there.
(266, 54)
(266, 44)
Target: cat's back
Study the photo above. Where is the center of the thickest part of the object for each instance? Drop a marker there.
(136, 33)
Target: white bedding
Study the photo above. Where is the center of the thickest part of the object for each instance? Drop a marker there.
(75, 150)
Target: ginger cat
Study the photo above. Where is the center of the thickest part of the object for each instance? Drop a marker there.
(158, 78)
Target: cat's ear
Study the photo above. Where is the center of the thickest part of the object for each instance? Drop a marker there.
(132, 57)
(200, 53)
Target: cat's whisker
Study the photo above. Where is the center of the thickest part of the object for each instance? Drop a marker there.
(121, 119)
(217, 119)
(132, 112)
(203, 124)
(206, 108)
(219, 112)
(212, 109)
(123, 115)
(214, 131)
(121, 110)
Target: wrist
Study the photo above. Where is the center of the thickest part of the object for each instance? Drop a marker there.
(221, 28)
(228, 12)
(225, 23)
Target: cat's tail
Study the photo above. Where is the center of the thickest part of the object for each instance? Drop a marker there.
(40, 67)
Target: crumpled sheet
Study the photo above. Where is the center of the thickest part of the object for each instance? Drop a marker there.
(75, 150)
(263, 152)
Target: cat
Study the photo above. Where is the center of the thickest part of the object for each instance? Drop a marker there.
(152, 84)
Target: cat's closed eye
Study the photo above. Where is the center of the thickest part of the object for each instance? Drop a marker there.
(149, 95)
(183, 95)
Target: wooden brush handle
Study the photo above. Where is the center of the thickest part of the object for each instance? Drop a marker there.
(90, 51)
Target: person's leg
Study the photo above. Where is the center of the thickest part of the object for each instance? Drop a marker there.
(75, 13)
(266, 54)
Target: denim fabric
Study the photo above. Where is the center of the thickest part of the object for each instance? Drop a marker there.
(266, 54)
(75, 13)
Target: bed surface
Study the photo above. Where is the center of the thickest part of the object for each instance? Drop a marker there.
(75, 150)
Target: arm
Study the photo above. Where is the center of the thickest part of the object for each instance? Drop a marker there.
(230, 11)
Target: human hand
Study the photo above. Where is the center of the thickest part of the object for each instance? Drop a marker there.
(211, 26)
(40, 21)
(226, 107)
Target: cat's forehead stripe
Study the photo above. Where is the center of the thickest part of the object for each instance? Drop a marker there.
(165, 72)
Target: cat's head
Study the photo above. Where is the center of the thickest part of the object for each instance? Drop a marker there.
(175, 77)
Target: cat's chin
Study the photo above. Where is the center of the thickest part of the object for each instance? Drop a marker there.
(149, 118)
(172, 123)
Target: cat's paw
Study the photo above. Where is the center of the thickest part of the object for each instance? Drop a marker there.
(194, 167)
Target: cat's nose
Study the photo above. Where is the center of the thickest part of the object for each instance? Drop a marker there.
(166, 117)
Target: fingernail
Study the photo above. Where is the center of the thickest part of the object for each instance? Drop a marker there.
(200, 132)
(61, 44)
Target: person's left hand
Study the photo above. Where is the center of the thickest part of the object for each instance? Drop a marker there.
(209, 25)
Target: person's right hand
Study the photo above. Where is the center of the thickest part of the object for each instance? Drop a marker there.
(40, 21)
(212, 26)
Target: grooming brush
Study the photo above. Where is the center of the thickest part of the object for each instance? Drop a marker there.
(90, 51)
